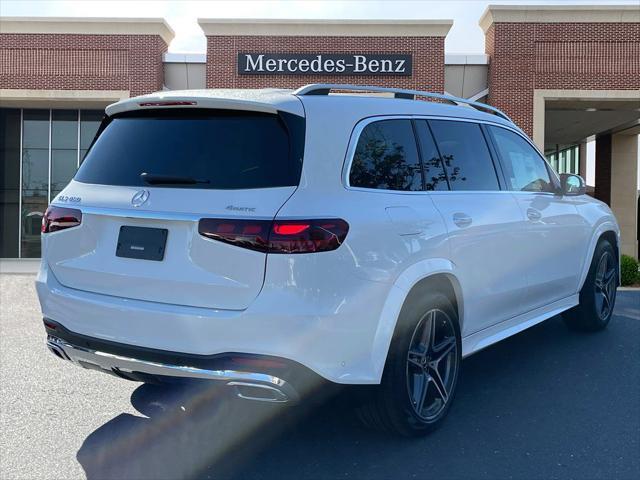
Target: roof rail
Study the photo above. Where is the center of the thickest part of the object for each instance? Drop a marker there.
(325, 89)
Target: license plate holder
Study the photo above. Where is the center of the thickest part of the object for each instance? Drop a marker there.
(142, 243)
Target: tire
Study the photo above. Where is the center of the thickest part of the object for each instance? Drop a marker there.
(394, 406)
(598, 294)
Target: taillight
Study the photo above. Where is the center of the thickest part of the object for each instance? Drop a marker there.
(279, 236)
(59, 218)
(251, 234)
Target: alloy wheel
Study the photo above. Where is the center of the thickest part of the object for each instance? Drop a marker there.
(605, 285)
(432, 364)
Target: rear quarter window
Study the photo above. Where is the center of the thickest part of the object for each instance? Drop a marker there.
(386, 157)
(220, 149)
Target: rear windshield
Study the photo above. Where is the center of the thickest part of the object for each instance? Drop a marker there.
(217, 149)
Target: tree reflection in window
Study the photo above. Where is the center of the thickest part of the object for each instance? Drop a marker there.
(434, 174)
(465, 155)
(386, 157)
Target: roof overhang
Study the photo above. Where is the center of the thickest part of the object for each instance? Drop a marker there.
(558, 14)
(325, 28)
(88, 26)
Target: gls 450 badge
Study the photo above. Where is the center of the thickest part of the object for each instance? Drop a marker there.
(68, 199)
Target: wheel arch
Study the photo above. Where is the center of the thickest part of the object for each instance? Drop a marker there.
(606, 231)
(433, 274)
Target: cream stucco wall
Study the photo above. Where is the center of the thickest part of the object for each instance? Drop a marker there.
(624, 189)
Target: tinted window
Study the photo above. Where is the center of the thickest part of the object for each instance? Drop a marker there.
(465, 155)
(386, 157)
(434, 176)
(221, 150)
(523, 167)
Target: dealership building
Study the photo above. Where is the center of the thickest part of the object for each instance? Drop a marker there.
(567, 75)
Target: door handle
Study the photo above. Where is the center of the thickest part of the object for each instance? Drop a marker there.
(533, 214)
(462, 220)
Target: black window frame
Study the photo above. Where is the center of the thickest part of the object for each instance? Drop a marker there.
(555, 181)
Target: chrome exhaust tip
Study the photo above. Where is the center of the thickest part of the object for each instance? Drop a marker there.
(260, 392)
(56, 350)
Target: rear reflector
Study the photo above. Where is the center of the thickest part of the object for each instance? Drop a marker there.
(278, 236)
(60, 218)
(49, 325)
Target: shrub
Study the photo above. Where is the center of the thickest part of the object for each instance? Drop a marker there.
(629, 270)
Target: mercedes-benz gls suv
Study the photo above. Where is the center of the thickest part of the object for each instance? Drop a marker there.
(275, 241)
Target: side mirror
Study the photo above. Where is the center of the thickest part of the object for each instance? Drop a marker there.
(572, 184)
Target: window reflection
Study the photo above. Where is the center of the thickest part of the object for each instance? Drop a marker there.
(386, 157)
(524, 169)
(434, 175)
(465, 155)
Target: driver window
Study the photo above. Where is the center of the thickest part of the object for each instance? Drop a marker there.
(523, 167)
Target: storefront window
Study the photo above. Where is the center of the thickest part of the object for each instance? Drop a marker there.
(89, 123)
(39, 155)
(35, 178)
(565, 161)
(9, 181)
(64, 149)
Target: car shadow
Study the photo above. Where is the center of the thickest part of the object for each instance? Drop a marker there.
(515, 405)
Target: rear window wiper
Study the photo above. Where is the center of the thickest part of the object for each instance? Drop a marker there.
(153, 179)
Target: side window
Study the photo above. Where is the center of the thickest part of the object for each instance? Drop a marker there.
(386, 157)
(465, 155)
(434, 176)
(523, 167)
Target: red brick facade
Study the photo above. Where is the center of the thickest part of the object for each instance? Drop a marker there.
(82, 62)
(567, 56)
(427, 52)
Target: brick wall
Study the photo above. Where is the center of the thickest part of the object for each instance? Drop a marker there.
(81, 62)
(427, 52)
(567, 56)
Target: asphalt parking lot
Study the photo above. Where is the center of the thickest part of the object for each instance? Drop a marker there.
(547, 403)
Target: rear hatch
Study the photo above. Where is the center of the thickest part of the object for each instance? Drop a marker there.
(146, 182)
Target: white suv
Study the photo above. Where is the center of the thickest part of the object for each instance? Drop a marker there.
(275, 241)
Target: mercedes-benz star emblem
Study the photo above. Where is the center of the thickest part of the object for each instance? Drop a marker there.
(140, 198)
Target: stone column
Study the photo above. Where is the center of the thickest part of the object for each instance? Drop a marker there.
(624, 189)
(603, 168)
(582, 160)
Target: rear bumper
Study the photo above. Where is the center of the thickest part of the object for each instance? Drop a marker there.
(331, 331)
(141, 364)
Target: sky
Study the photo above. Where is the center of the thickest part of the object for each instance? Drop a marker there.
(465, 35)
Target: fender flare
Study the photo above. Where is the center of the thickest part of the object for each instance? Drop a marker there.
(395, 300)
(606, 226)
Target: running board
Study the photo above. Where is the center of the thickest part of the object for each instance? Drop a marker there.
(480, 340)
